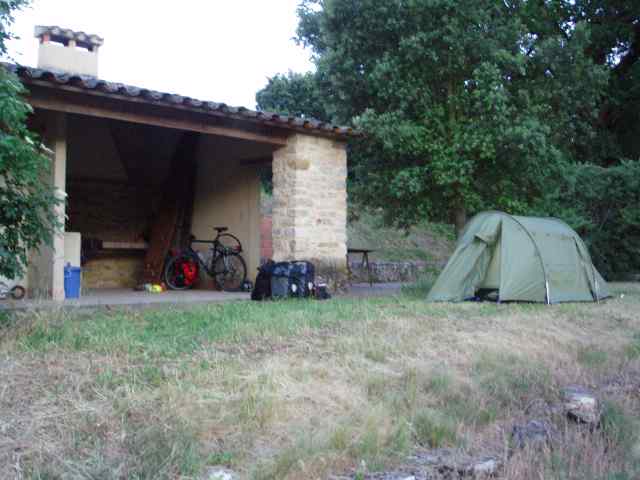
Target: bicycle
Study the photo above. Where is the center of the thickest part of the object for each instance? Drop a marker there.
(16, 292)
(225, 265)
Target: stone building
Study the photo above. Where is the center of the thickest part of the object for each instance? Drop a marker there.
(123, 155)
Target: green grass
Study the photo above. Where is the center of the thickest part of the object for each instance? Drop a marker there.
(509, 380)
(303, 389)
(171, 332)
(421, 287)
(632, 350)
(592, 357)
(620, 427)
(162, 450)
(435, 429)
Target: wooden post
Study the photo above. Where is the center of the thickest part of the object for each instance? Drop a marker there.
(59, 182)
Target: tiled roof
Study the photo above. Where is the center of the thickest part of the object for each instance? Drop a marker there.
(122, 91)
(64, 34)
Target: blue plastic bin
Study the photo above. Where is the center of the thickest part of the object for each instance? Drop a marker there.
(72, 281)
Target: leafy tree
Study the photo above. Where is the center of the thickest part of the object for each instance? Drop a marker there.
(615, 43)
(296, 94)
(603, 205)
(464, 107)
(26, 203)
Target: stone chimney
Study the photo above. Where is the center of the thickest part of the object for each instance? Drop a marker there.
(64, 50)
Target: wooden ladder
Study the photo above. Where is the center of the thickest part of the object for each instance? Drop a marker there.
(177, 200)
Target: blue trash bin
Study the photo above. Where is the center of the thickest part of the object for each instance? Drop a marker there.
(72, 281)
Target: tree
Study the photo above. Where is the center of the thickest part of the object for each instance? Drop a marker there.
(296, 94)
(26, 202)
(603, 205)
(464, 106)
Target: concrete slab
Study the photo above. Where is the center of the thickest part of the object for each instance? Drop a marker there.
(125, 297)
(119, 297)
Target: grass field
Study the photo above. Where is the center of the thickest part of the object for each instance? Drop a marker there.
(301, 390)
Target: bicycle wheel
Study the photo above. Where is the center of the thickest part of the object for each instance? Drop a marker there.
(17, 292)
(230, 242)
(181, 272)
(230, 272)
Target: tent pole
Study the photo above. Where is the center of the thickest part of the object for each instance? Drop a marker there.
(535, 245)
(546, 286)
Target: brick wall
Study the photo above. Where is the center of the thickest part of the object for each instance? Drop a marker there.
(111, 211)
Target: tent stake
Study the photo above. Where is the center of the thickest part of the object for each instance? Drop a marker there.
(546, 286)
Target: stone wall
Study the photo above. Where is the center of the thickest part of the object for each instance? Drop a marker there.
(386, 272)
(310, 202)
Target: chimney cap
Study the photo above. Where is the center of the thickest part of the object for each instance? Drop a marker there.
(63, 35)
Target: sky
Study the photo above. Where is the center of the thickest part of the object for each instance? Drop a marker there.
(218, 50)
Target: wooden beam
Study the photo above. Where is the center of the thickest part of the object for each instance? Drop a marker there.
(147, 114)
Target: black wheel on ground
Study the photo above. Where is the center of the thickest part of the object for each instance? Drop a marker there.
(230, 272)
(177, 272)
(17, 292)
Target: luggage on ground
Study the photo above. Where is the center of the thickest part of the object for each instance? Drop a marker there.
(294, 279)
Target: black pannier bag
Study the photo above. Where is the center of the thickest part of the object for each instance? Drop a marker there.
(262, 288)
(292, 279)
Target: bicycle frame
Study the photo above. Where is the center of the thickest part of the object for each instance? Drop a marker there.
(216, 253)
(219, 251)
(226, 266)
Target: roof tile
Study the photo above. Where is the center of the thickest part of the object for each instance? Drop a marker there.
(84, 82)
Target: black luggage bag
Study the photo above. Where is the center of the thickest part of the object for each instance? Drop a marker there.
(292, 279)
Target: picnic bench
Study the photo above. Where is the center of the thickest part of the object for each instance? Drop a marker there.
(365, 261)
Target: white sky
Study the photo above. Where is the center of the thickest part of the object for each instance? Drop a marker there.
(220, 50)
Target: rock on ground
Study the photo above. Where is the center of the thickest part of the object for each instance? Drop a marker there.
(219, 473)
(535, 433)
(581, 405)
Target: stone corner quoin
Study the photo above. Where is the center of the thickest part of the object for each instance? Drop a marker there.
(310, 201)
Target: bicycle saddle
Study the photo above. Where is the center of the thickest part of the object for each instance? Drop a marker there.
(221, 229)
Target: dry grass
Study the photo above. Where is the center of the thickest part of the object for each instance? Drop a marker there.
(301, 390)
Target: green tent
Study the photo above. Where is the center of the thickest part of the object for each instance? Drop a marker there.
(519, 259)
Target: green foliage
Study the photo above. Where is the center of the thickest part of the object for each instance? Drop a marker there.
(296, 94)
(463, 109)
(26, 203)
(603, 205)
(527, 107)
